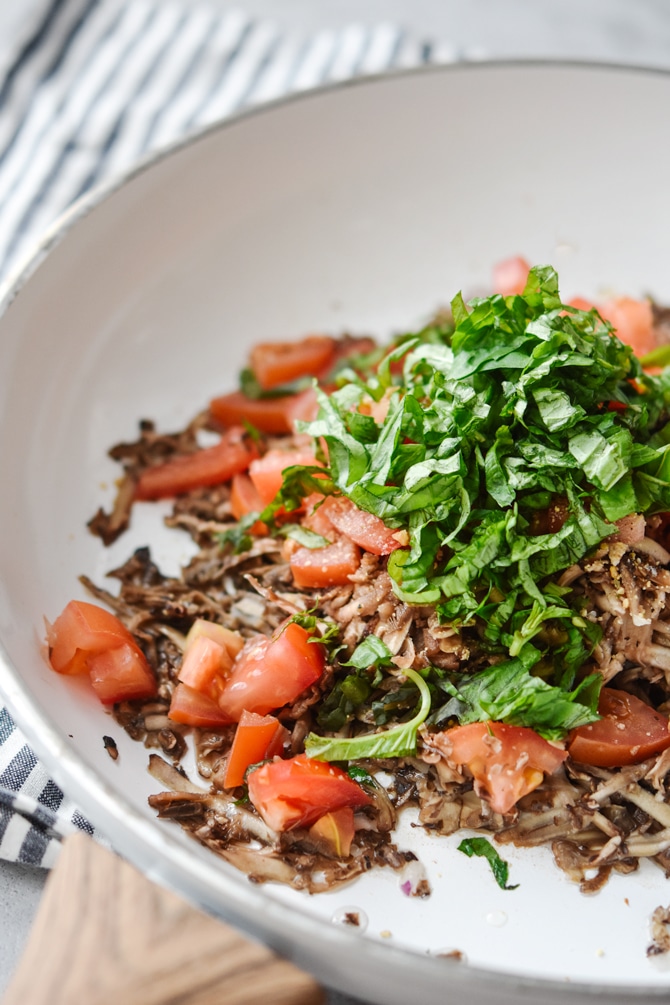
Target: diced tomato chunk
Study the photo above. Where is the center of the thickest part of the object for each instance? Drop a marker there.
(205, 666)
(231, 641)
(510, 276)
(271, 672)
(334, 832)
(277, 363)
(244, 497)
(267, 471)
(632, 321)
(297, 791)
(257, 737)
(629, 732)
(86, 638)
(269, 415)
(507, 762)
(316, 518)
(83, 630)
(192, 708)
(364, 529)
(211, 466)
(321, 567)
(581, 304)
(121, 674)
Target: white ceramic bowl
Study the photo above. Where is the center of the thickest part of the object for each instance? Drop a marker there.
(361, 208)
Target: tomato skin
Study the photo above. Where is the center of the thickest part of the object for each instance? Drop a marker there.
(83, 630)
(277, 363)
(629, 732)
(205, 666)
(256, 738)
(510, 276)
(192, 708)
(231, 641)
(581, 304)
(632, 321)
(121, 674)
(271, 672)
(507, 762)
(267, 471)
(269, 415)
(314, 568)
(364, 529)
(298, 791)
(211, 466)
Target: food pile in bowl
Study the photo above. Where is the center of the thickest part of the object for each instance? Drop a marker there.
(430, 573)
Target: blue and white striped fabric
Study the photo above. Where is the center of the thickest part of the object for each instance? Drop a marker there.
(91, 86)
(97, 84)
(34, 813)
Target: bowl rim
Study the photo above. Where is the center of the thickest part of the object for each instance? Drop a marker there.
(161, 856)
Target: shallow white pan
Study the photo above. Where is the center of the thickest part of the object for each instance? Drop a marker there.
(362, 208)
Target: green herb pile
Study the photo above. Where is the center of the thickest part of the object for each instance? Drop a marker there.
(515, 405)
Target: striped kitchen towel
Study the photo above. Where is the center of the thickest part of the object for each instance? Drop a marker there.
(98, 84)
(89, 87)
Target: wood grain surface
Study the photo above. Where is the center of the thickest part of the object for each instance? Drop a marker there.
(106, 935)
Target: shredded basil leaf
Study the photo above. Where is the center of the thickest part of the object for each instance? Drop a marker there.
(399, 741)
(483, 848)
(516, 408)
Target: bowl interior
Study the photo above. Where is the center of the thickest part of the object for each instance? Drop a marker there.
(361, 209)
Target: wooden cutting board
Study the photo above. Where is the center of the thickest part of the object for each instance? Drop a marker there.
(106, 935)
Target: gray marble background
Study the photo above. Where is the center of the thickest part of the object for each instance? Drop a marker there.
(621, 31)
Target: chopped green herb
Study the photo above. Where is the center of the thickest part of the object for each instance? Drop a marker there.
(494, 419)
(483, 848)
(307, 538)
(399, 741)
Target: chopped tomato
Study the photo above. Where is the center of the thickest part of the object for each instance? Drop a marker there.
(231, 641)
(316, 518)
(506, 762)
(257, 737)
(633, 322)
(192, 708)
(270, 672)
(304, 408)
(121, 674)
(205, 666)
(81, 631)
(269, 415)
(629, 732)
(211, 466)
(329, 566)
(510, 276)
(297, 791)
(581, 304)
(267, 471)
(277, 363)
(333, 832)
(244, 497)
(364, 529)
(208, 657)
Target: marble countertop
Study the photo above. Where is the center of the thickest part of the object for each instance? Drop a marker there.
(617, 31)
